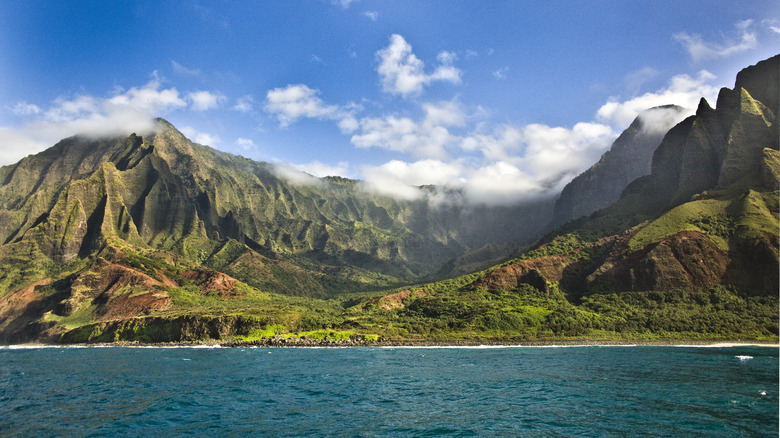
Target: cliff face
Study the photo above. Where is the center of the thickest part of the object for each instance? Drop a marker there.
(706, 215)
(628, 159)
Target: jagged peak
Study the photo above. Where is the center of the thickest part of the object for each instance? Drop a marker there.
(762, 81)
(750, 105)
(704, 107)
(163, 124)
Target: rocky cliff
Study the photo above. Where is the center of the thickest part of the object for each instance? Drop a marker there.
(629, 158)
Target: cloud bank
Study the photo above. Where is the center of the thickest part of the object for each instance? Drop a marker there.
(683, 90)
(122, 113)
(125, 112)
(454, 148)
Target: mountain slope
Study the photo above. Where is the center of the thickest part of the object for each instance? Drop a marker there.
(163, 217)
(155, 238)
(163, 192)
(707, 214)
(628, 159)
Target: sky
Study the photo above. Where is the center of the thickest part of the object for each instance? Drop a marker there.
(503, 100)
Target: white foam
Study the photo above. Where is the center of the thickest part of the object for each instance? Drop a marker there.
(727, 345)
(743, 358)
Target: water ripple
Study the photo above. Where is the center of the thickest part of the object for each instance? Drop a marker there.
(581, 391)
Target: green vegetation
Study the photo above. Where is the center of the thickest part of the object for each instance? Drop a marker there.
(690, 216)
(158, 239)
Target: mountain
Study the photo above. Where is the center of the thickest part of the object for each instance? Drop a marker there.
(155, 238)
(706, 215)
(70, 203)
(629, 158)
(689, 251)
(90, 210)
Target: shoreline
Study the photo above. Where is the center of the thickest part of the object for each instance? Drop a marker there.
(279, 342)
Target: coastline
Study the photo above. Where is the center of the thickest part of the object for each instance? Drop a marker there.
(279, 342)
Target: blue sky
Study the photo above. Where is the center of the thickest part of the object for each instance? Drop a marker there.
(505, 100)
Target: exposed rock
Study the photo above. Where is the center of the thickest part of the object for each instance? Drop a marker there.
(398, 300)
(20, 308)
(117, 291)
(688, 260)
(537, 273)
(212, 282)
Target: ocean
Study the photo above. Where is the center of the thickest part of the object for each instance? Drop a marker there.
(587, 391)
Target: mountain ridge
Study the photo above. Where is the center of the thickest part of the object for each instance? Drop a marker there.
(137, 237)
(628, 158)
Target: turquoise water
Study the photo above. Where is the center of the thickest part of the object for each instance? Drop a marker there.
(527, 391)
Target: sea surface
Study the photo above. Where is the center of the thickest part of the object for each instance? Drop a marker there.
(354, 392)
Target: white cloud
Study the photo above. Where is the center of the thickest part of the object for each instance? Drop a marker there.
(372, 15)
(636, 79)
(293, 102)
(501, 73)
(501, 183)
(427, 139)
(15, 144)
(182, 70)
(125, 112)
(533, 160)
(343, 3)
(310, 174)
(771, 24)
(502, 144)
(291, 174)
(205, 100)
(419, 173)
(662, 119)
(26, 109)
(244, 104)
(402, 73)
(516, 164)
(245, 143)
(547, 155)
(555, 155)
(699, 49)
(321, 170)
(683, 90)
(200, 137)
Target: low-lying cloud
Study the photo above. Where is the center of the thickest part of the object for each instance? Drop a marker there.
(124, 112)
(456, 149)
(683, 90)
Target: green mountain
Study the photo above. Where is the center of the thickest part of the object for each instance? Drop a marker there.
(689, 251)
(138, 204)
(154, 238)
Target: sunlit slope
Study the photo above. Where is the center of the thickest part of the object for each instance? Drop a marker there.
(63, 206)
